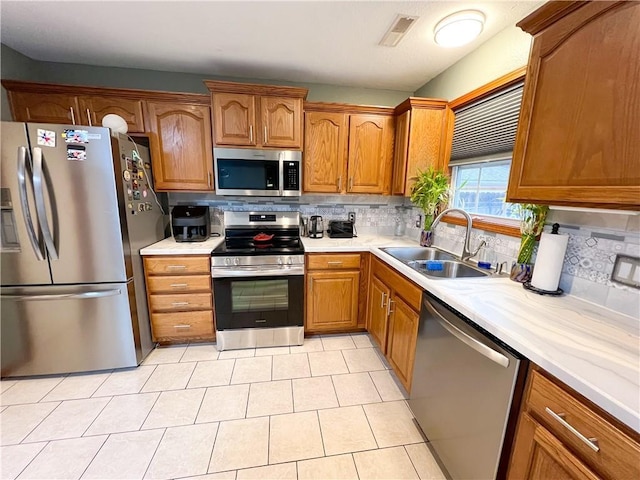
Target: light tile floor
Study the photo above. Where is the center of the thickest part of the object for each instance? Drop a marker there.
(329, 409)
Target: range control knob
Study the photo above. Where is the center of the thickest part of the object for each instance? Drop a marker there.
(236, 261)
(227, 261)
(289, 261)
(280, 261)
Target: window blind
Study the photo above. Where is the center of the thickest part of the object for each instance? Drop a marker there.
(486, 129)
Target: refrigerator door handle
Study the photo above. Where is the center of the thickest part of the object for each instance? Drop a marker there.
(66, 296)
(38, 190)
(24, 202)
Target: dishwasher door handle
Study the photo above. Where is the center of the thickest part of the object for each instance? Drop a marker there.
(477, 345)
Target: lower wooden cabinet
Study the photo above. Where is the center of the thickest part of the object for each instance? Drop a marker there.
(561, 435)
(180, 297)
(332, 292)
(401, 343)
(393, 313)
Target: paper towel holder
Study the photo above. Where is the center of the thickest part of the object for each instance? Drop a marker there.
(552, 293)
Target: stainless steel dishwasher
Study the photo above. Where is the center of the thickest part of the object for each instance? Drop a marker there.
(465, 393)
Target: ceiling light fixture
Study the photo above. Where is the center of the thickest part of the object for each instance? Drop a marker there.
(459, 28)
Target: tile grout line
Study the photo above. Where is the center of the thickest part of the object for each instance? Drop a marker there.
(155, 452)
(370, 427)
(39, 423)
(411, 460)
(150, 410)
(215, 439)
(324, 450)
(355, 464)
(34, 457)
(96, 417)
(204, 394)
(95, 455)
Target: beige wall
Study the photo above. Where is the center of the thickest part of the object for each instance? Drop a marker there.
(503, 53)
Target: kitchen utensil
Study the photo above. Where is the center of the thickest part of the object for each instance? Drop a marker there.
(316, 227)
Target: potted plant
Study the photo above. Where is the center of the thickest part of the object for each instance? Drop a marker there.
(430, 193)
(533, 218)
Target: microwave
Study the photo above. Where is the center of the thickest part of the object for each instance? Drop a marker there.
(269, 173)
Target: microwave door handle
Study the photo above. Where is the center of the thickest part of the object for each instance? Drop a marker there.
(280, 172)
(38, 190)
(24, 202)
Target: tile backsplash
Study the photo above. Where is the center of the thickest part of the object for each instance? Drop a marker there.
(594, 237)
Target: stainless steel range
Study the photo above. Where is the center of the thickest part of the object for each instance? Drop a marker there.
(258, 281)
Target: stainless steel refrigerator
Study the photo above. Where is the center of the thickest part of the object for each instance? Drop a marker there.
(76, 207)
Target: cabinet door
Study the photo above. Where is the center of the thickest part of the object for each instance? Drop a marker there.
(379, 295)
(401, 151)
(45, 108)
(332, 300)
(94, 108)
(370, 153)
(403, 334)
(281, 124)
(325, 152)
(539, 455)
(577, 140)
(181, 147)
(234, 119)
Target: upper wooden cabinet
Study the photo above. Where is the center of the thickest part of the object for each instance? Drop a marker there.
(348, 148)
(181, 147)
(578, 141)
(325, 151)
(75, 105)
(249, 115)
(370, 153)
(95, 108)
(423, 139)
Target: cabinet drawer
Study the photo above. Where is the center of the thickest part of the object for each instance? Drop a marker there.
(177, 265)
(179, 284)
(168, 326)
(336, 261)
(181, 302)
(618, 454)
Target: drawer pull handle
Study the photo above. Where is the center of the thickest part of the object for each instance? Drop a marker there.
(383, 299)
(176, 267)
(261, 321)
(592, 443)
(180, 304)
(179, 285)
(334, 263)
(182, 326)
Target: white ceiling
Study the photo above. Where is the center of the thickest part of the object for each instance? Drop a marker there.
(303, 41)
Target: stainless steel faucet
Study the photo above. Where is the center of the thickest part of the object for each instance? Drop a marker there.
(466, 254)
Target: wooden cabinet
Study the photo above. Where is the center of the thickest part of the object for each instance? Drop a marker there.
(181, 148)
(348, 148)
(370, 154)
(64, 104)
(577, 141)
(265, 116)
(325, 151)
(94, 108)
(561, 435)
(392, 318)
(44, 107)
(180, 297)
(423, 139)
(333, 283)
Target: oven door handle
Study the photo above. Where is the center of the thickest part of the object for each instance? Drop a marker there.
(256, 272)
(471, 342)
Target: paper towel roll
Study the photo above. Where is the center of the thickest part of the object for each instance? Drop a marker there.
(548, 266)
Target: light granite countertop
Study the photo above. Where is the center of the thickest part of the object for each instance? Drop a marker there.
(169, 246)
(592, 349)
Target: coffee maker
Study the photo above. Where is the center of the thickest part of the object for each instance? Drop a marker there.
(190, 223)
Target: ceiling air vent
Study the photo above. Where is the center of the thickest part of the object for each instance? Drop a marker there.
(400, 27)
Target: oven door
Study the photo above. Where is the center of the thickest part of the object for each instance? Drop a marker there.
(259, 302)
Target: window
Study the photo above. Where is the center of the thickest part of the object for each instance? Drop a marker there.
(484, 134)
(481, 188)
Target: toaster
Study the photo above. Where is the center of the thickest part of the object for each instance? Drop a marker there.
(340, 229)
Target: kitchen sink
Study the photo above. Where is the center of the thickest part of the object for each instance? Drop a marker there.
(408, 254)
(419, 259)
(450, 269)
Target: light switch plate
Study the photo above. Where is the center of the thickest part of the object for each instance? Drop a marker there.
(626, 271)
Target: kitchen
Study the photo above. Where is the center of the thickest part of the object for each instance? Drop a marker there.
(594, 233)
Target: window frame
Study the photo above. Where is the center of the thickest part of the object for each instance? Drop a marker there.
(504, 226)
